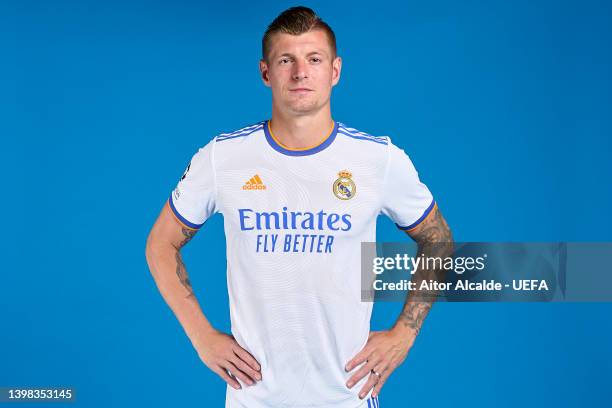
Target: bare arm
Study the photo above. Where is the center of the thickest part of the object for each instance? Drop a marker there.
(386, 350)
(219, 351)
(163, 255)
(434, 239)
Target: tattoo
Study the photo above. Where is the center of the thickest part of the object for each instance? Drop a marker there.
(181, 271)
(413, 315)
(188, 234)
(434, 239)
(433, 230)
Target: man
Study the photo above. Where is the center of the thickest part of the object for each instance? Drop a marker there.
(299, 193)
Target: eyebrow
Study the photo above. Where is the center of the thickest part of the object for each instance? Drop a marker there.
(288, 54)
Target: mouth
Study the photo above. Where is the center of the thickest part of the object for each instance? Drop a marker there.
(301, 90)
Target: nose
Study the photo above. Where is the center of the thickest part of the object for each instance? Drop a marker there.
(299, 70)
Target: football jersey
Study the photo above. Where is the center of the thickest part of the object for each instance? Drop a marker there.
(294, 221)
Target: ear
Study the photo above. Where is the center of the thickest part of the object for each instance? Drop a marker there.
(263, 70)
(336, 69)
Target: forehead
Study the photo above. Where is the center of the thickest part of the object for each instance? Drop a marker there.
(305, 43)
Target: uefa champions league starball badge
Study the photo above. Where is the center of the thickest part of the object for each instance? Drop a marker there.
(344, 188)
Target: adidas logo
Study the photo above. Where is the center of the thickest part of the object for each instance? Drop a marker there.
(254, 183)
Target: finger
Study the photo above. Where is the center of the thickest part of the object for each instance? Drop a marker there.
(378, 386)
(245, 368)
(247, 357)
(358, 359)
(372, 379)
(383, 379)
(238, 373)
(222, 372)
(362, 372)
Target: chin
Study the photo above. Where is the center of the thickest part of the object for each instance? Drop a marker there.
(303, 107)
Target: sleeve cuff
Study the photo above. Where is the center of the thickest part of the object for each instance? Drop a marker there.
(186, 223)
(422, 218)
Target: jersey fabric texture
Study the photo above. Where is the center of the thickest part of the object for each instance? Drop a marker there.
(294, 221)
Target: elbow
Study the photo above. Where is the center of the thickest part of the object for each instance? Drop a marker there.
(149, 248)
(437, 241)
(158, 249)
(450, 244)
(152, 256)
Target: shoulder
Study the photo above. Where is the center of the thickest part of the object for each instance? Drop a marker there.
(360, 137)
(362, 145)
(367, 146)
(242, 133)
(229, 141)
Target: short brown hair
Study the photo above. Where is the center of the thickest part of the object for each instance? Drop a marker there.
(295, 21)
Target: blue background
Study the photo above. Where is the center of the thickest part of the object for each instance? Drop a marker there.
(504, 109)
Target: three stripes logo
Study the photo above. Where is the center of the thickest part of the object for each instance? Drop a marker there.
(254, 183)
(373, 402)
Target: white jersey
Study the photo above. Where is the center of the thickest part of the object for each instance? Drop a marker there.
(294, 222)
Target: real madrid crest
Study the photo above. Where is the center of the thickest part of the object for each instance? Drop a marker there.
(344, 188)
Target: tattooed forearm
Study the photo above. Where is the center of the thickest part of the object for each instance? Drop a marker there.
(433, 233)
(188, 234)
(434, 239)
(181, 271)
(413, 315)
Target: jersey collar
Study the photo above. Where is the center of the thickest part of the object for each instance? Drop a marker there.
(276, 145)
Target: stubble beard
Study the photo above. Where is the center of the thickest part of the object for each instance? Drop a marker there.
(304, 104)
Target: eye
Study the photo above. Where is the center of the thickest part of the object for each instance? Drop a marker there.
(315, 59)
(284, 60)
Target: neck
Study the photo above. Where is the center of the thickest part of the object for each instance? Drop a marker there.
(301, 132)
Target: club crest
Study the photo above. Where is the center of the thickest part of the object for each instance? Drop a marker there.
(344, 187)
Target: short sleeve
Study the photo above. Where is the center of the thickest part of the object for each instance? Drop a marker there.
(406, 200)
(193, 200)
